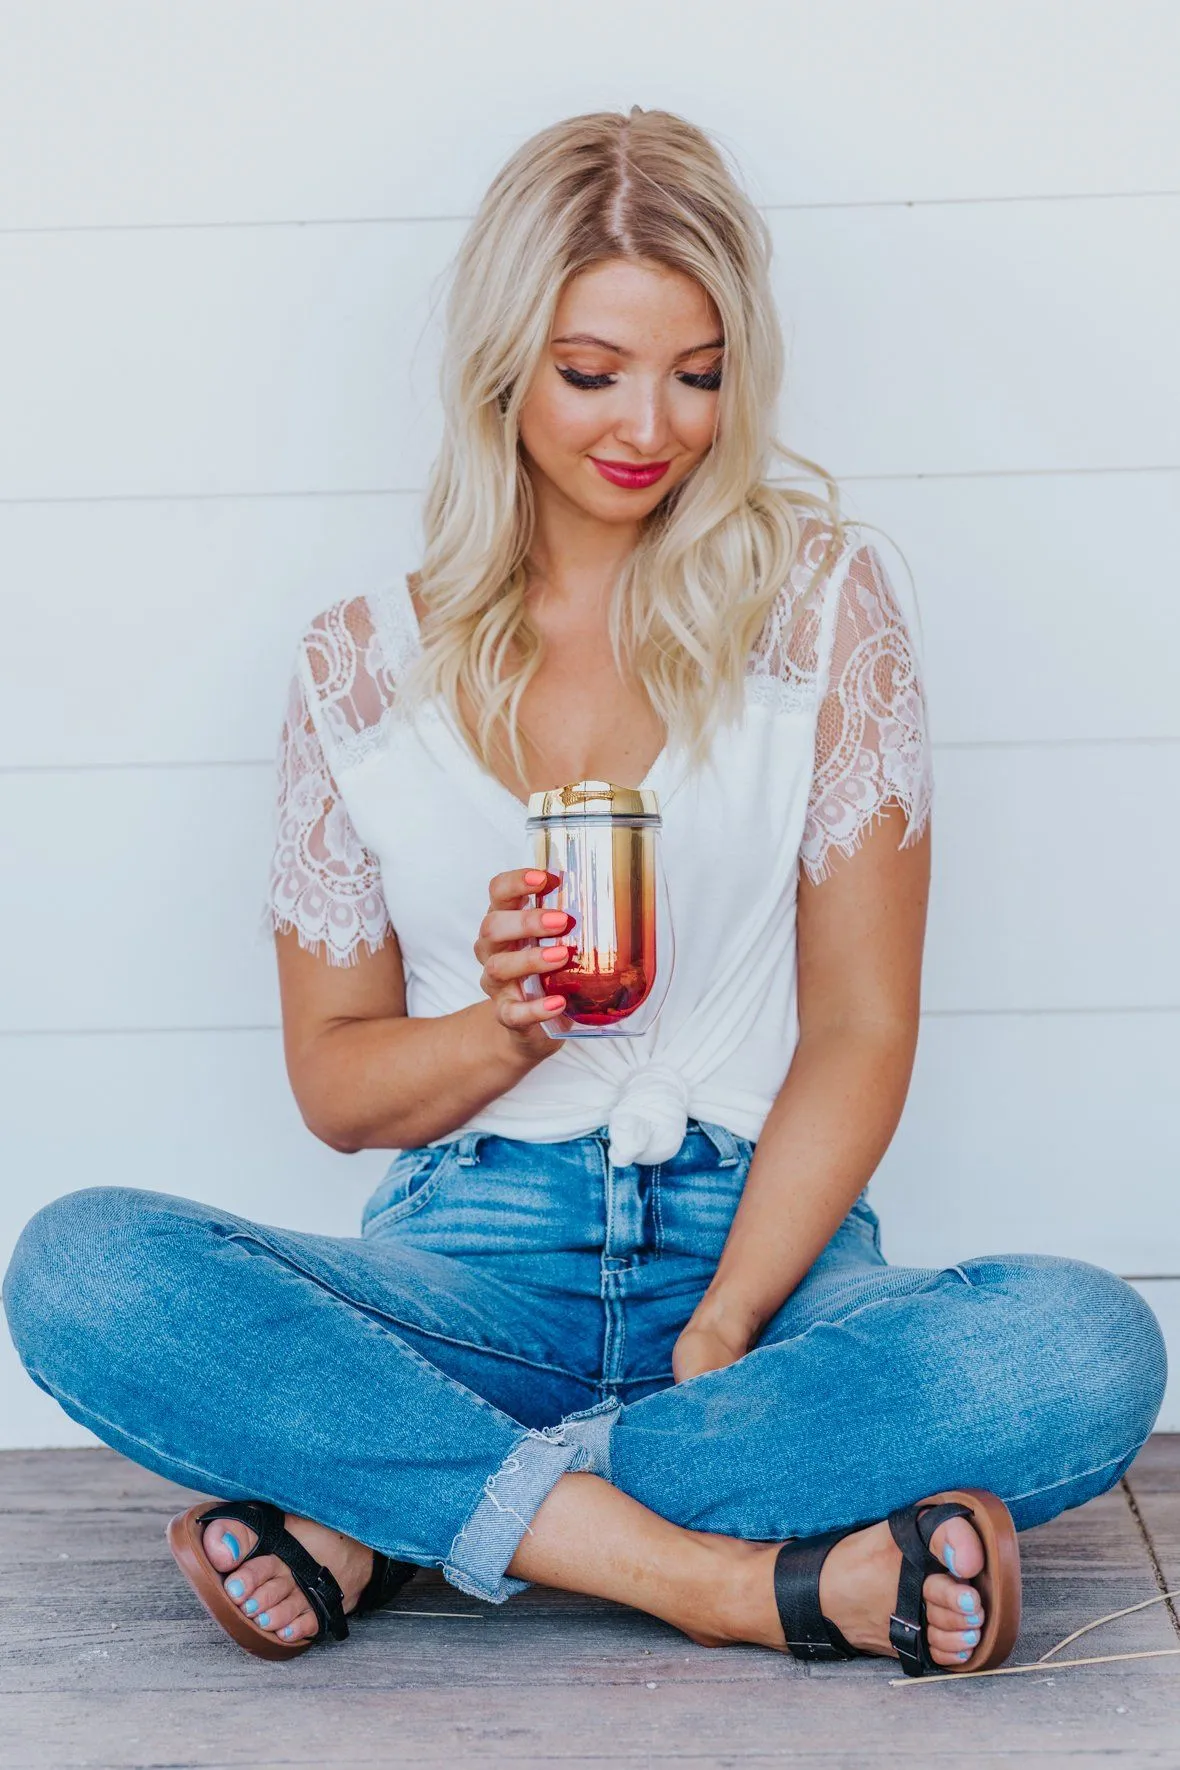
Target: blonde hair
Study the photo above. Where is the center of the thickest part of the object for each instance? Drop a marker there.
(693, 597)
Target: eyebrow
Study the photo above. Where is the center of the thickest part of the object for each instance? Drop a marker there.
(605, 344)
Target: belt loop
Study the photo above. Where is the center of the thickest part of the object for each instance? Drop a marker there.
(467, 1150)
(724, 1142)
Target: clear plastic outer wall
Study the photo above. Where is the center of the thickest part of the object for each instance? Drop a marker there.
(612, 883)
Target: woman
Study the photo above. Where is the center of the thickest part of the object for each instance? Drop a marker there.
(618, 1320)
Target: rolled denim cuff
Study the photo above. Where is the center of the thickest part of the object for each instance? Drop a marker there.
(489, 1539)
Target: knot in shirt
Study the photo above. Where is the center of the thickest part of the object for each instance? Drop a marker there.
(650, 1116)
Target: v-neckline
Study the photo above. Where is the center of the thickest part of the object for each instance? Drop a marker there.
(476, 771)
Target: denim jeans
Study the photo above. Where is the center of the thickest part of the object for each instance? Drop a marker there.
(508, 1314)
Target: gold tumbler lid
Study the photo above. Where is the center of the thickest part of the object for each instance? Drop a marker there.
(594, 799)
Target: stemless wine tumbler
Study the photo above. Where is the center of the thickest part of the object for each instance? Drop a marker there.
(603, 842)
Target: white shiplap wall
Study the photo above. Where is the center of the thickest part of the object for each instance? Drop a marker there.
(222, 227)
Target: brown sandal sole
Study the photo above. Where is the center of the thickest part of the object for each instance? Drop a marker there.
(999, 1583)
(185, 1541)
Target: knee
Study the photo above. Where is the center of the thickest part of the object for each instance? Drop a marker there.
(1095, 1356)
(76, 1261)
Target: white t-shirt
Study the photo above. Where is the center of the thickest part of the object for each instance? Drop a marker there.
(389, 819)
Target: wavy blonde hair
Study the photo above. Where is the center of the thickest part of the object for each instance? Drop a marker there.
(692, 599)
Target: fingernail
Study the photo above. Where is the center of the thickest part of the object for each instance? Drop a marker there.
(250, 1606)
(966, 1601)
(289, 1630)
(234, 1587)
(264, 1620)
(554, 919)
(948, 1555)
(971, 1638)
(533, 878)
(964, 1656)
(231, 1543)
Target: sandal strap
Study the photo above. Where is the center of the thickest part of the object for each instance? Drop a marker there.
(912, 1528)
(809, 1634)
(317, 1583)
(385, 1582)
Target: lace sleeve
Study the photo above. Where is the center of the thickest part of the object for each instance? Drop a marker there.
(871, 745)
(324, 883)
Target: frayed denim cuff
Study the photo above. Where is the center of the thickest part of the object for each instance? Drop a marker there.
(511, 1497)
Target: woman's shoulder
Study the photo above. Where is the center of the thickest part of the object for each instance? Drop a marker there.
(350, 656)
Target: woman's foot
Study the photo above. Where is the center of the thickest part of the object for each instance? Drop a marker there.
(857, 1592)
(264, 1589)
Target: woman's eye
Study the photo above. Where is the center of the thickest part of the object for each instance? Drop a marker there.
(577, 379)
(707, 383)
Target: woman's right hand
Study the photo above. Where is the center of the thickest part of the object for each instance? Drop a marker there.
(506, 951)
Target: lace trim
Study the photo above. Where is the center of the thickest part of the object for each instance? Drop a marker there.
(325, 886)
(784, 665)
(871, 745)
(357, 653)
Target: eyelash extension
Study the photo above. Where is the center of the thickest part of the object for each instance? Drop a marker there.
(706, 383)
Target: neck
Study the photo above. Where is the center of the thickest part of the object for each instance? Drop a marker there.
(573, 554)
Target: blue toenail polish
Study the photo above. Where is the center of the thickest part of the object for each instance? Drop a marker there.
(231, 1543)
(971, 1638)
(234, 1587)
(948, 1555)
(264, 1620)
(964, 1656)
(966, 1601)
(250, 1606)
(289, 1630)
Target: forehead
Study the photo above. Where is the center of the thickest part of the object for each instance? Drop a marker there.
(636, 305)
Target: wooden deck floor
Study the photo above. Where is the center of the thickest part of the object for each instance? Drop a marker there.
(106, 1660)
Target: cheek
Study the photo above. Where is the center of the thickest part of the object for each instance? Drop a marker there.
(560, 421)
(695, 422)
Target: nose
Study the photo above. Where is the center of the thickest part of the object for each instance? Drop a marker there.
(643, 423)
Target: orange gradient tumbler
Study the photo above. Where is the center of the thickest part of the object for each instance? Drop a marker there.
(603, 842)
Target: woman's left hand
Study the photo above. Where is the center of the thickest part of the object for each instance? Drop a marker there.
(707, 1346)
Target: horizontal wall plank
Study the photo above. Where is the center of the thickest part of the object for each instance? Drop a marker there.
(1038, 1134)
(235, 110)
(1047, 1136)
(136, 899)
(173, 623)
(285, 359)
(1164, 1299)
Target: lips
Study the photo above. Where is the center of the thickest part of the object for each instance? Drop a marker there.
(622, 473)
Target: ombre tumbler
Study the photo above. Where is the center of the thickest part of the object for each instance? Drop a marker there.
(603, 842)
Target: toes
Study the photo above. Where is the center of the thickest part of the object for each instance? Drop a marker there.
(266, 1598)
(225, 1541)
(281, 1616)
(958, 1548)
(950, 1647)
(243, 1583)
(960, 1604)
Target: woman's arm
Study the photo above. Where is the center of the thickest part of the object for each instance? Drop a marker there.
(860, 940)
(366, 1076)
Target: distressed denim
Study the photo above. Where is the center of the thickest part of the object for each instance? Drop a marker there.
(508, 1314)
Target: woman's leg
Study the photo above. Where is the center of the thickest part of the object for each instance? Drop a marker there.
(1035, 1378)
(337, 1378)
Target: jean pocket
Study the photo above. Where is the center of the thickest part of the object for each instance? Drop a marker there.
(411, 1181)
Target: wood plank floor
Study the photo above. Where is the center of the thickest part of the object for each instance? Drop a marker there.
(106, 1660)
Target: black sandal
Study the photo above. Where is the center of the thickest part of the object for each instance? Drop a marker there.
(811, 1636)
(318, 1585)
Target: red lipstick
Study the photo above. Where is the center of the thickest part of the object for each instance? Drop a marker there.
(622, 473)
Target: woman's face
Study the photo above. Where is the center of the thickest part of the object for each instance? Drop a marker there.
(625, 401)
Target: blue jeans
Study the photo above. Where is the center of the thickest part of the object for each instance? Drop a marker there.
(508, 1314)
